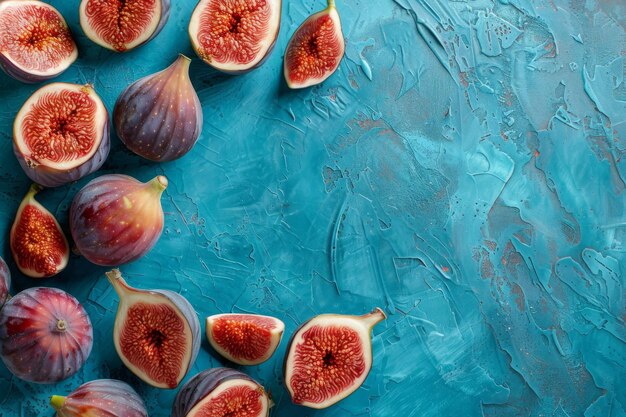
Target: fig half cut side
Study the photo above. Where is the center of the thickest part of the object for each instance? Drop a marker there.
(156, 333)
(123, 25)
(61, 134)
(38, 244)
(315, 49)
(329, 357)
(35, 41)
(221, 392)
(246, 339)
(234, 36)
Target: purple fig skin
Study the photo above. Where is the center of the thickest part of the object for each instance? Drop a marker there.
(159, 117)
(101, 397)
(116, 219)
(45, 335)
(5, 282)
(201, 385)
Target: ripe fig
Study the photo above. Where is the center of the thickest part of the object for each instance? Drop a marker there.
(61, 134)
(221, 392)
(234, 36)
(100, 398)
(35, 41)
(123, 25)
(159, 117)
(156, 333)
(5, 282)
(116, 219)
(246, 339)
(45, 335)
(315, 49)
(329, 357)
(38, 244)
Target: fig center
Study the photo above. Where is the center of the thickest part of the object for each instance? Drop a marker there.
(61, 325)
(238, 401)
(243, 339)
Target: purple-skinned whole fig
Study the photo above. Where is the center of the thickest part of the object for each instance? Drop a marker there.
(45, 335)
(5, 282)
(159, 117)
(117, 219)
(100, 398)
(221, 392)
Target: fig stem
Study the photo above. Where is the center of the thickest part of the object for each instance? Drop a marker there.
(331, 3)
(159, 183)
(34, 189)
(117, 281)
(57, 401)
(373, 318)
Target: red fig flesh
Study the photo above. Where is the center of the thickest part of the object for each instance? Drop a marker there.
(61, 134)
(45, 335)
(35, 42)
(156, 334)
(38, 244)
(221, 392)
(100, 398)
(234, 36)
(329, 357)
(116, 219)
(246, 339)
(123, 25)
(315, 49)
(159, 117)
(5, 282)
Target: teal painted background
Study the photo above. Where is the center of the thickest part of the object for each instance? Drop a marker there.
(464, 169)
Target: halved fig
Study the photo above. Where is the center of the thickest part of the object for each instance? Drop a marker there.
(5, 282)
(115, 219)
(61, 134)
(246, 339)
(315, 49)
(329, 357)
(156, 333)
(35, 41)
(45, 335)
(234, 36)
(121, 25)
(100, 398)
(221, 392)
(38, 244)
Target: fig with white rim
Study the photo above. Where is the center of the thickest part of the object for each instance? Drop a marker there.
(156, 333)
(245, 339)
(61, 134)
(329, 357)
(221, 392)
(35, 42)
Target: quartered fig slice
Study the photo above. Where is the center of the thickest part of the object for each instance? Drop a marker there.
(35, 41)
(38, 244)
(123, 25)
(115, 219)
(246, 339)
(329, 357)
(5, 282)
(156, 333)
(221, 392)
(100, 398)
(315, 49)
(45, 335)
(234, 36)
(159, 116)
(61, 134)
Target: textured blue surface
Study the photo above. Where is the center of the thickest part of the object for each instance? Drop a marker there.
(464, 169)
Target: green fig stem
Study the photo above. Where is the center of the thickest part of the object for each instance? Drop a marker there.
(331, 4)
(57, 401)
(373, 318)
(34, 189)
(117, 281)
(158, 183)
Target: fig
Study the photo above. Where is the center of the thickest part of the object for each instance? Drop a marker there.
(159, 117)
(156, 333)
(315, 49)
(115, 219)
(45, 335)
(221, 392)
(5, 282)
(35, 42)
(329, 357)
(234, 36)
(100, 398)
(246, 339)
(123, 25)
(38, 244)
(61, 134)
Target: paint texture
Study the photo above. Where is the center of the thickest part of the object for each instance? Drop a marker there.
(463, 169)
